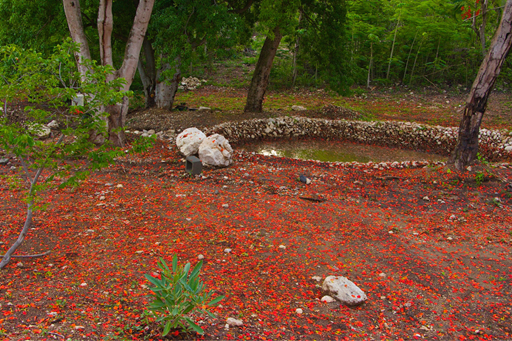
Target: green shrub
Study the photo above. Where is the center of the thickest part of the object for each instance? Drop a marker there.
(178, 293)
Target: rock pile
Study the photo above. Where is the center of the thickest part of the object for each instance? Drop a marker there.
(213, 150)
(190, 83)
(494, 145)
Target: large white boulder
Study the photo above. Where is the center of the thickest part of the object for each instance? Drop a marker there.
(215, 151)
(344, 290)
(189, 140)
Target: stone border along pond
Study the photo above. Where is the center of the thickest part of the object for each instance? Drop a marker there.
(494, 146)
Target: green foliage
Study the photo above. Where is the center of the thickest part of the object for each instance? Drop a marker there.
(191, 33)
(177, 294)
(48, 86)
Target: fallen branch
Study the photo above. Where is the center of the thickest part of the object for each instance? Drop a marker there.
(313, 199)
(29, 256)
(387, 178)
(56, 334)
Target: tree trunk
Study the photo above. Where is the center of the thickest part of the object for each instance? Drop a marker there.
(147, 72)
(261, 74)
(117, 113)
(467, 142)
(295, 55)
(76, 29)
(166, 89)
(393, 45)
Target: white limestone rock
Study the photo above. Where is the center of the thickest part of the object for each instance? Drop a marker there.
(216, 151)
(39, 130)
(298, 108)
(189, 140)
(344, 290)
(327, 299)
(53, 124)
(234, 322)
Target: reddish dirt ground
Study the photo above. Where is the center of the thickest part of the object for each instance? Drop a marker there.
(430, 247)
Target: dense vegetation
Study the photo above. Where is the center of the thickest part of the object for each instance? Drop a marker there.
(334, 43)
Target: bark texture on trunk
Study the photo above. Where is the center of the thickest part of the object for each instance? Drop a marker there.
(166, 89)
(128, 68)
(77, 32)
(261, 74)
(467, 142)
(147, 72)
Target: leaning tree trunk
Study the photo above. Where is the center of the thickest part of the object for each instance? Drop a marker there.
(166, 89)
(467, 142)
(261, 74)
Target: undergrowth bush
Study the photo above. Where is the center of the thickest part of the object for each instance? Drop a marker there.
(177, 294)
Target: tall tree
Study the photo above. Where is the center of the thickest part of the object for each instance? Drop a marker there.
(276, 18)
(177, 29)
(469, 129)
(105, 24)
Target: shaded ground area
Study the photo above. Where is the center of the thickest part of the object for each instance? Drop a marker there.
(429, 106)
(431, 249)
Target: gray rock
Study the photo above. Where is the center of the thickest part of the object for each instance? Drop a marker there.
(344, 290)
(4, 161)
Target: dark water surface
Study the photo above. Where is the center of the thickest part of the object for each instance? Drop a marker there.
(333, 151)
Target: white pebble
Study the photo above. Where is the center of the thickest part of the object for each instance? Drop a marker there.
(200, 257)
(327, 299)
(299, 311)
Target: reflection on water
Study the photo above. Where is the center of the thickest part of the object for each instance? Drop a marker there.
(336, 151)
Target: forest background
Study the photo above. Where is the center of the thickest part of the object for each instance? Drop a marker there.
(335, 44)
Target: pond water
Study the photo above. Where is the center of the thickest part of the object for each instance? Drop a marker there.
(333, 151)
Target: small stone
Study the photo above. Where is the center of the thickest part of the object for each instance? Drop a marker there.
(102, 197)
(20, 265)
(344, 290)
(200, 257)
(382, 274)
(79, 327)
(304, 179)
(299, 311)
(119, 186)
(83, 284)
(227, 250)
(225, 205)
(426, 198)
(204, 108)
(90, 231)
(139, 252)
(234, 322)
(317, 278)
(327, 299)
(298, 108)
(4, 161)
(282, 247)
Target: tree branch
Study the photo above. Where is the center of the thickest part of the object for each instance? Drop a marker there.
(30, 256)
